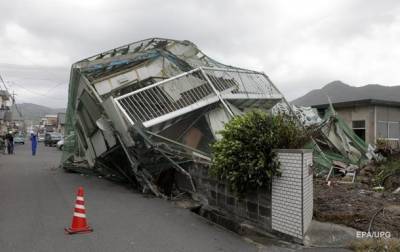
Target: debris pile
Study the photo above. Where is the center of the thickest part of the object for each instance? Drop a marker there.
(337, 149)
(358, 206)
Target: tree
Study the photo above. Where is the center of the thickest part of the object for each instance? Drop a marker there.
(244, 156)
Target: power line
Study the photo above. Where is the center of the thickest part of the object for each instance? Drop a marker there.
(16, 106)
(36, 93)
(31, 91)
(12, 96)
(57, 85)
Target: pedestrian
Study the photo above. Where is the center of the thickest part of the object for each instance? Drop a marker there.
(10, 143)
(34, 143)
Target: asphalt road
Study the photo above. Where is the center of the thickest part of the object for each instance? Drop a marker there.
(37, 199)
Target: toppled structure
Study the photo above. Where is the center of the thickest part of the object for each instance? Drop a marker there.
(307, 116)
(336, 146)
(339, 147)
(148, 110)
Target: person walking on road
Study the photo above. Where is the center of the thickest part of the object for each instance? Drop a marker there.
(34, 143)
(10, 143)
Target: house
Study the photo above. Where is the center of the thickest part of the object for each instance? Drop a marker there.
(51, 120)
(49, 123)
(372, 111)
(5, 111)
(5, 100)
(151, 108)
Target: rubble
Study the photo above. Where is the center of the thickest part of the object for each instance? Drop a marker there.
(337, 149)
(146, 111)
(354, 205)
(307, 116)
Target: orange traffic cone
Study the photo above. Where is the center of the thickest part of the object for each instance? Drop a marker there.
(79, 224)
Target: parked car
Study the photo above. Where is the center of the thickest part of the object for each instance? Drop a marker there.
(60, 144)
(41, 137)
(19, 139)
(51, 138)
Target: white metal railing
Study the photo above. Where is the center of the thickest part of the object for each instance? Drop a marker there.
(191, 90)
(247, 82)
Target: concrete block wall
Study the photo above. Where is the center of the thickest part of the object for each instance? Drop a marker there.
(286, 207)
(254, 208)
(292, 194)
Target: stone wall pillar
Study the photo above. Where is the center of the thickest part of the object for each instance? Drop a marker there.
(292, 194)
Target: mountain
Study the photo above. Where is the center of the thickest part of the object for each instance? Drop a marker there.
(33, 112)
(341, 92)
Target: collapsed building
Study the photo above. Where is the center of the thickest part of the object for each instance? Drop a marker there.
(146, 111)
(336, 147)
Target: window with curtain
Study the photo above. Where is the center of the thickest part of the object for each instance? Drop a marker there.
(394, 130)
(382, 129)
(389, 130)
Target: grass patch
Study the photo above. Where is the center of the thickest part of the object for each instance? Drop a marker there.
(376, 245)
(386, 169)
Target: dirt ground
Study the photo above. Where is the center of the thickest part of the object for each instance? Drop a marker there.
(354, 205)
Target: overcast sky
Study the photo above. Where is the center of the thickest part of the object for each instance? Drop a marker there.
(301, 45)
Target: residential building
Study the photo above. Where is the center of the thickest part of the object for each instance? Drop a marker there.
(370, 119)
(372, 111)
(5, 111)
(49, 123)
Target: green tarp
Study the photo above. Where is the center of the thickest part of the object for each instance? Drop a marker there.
(336, 141)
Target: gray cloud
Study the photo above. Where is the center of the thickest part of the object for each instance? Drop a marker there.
(301, 45)
(35, 84)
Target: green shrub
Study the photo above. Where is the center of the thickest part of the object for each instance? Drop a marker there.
(244, 157)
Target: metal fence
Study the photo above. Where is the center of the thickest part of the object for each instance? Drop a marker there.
(245, 82)
(191, 90)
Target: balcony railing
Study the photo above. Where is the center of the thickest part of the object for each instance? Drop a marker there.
(192, 90)
(245, 82)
